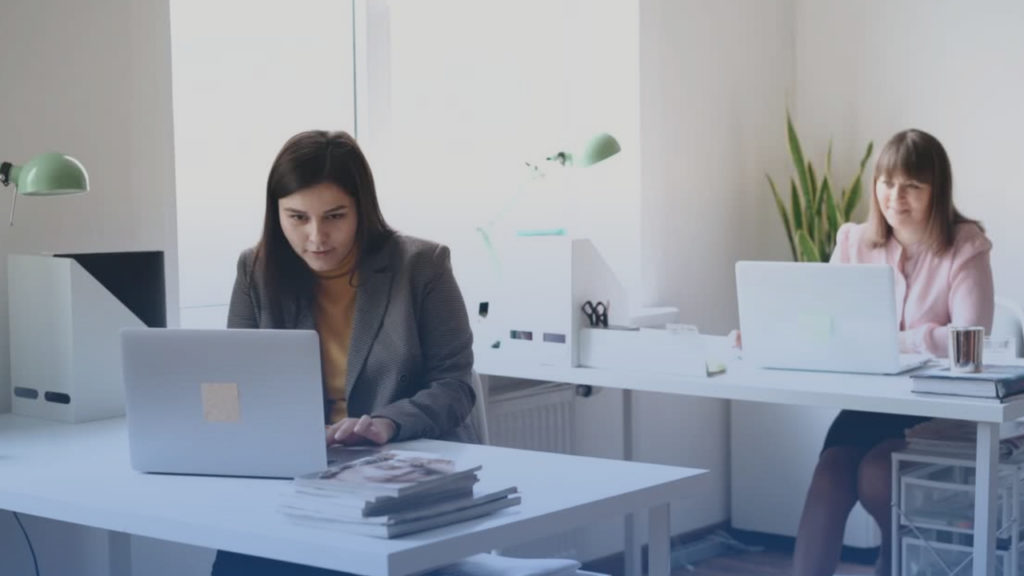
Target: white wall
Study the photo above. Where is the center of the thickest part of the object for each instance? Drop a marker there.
(93, 83)
(91, 79)
(242, 87)
(713, 81)
(455, 114)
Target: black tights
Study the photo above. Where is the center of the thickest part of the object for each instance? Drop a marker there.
(844, 475)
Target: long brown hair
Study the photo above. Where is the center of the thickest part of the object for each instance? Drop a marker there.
(308, 159)
(918, 155)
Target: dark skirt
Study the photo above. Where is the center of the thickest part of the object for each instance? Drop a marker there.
(865, 430)
(232, 564)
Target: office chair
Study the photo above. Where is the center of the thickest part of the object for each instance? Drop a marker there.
(1008, 322)
(478, 416)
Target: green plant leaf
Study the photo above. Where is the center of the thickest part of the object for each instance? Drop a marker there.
(812, 216)
(808, 251)
(835, 219)
(851, 200)
(821, 197)
(794, 201)
(852, 197)
(828, 159)
(867, 154)
(783, 214)
(798, 158)
(832, 215)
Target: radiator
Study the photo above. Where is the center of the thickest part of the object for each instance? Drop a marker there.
(536, 417)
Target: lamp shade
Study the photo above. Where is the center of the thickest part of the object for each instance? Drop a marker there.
(50, 174)
(598, 149)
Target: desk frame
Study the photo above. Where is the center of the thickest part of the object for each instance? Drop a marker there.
(240, 514)
(888, 394)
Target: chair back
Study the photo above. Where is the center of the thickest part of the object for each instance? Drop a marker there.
(1008, 322)
(478, 417)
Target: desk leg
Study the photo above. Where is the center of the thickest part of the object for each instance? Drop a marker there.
(659, 561)
(632, 551)
(633, 548)
(119, 548)
(896, 566)
(987, 474)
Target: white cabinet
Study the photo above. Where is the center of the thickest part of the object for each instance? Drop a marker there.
(773, 451)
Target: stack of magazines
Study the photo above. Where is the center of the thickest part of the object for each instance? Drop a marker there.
(958, 438)
(998, 382)
(391, 493)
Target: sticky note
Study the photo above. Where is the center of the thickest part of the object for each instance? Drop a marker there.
(220, 402)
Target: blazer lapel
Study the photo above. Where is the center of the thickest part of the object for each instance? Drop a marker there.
(304, 319)
(372, 299)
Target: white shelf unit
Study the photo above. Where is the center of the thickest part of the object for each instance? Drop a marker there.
(933, 516)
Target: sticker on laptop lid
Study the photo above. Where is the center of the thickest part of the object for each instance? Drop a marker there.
(220, 402)
(815, 326)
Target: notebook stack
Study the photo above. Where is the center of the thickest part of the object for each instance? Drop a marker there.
(997, 382)
(957, 438)
(392, 493)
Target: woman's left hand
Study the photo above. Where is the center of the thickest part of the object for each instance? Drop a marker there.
(363, 430)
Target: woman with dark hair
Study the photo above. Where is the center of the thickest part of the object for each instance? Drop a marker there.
(943, 278)
(395, 342)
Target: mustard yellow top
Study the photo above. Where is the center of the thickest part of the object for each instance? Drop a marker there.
(335, 311)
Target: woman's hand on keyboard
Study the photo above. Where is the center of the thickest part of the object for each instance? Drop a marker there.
(363, 430)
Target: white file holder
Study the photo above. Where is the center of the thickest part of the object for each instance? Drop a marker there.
(675, 351)
(65, 334)
(546, 280)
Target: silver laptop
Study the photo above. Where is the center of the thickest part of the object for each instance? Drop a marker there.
(818, 316)
(224, 402)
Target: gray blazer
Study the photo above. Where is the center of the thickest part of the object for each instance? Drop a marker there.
(410, 357)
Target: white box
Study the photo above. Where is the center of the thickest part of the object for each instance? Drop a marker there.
(65, 332)
(647, 349)
(545, 280)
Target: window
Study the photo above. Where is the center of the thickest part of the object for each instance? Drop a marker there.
(246, 77)
(470, 91)
(455, 97)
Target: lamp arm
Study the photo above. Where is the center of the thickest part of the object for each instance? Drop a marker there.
(6, 170)
(14, 201)
(563, 158)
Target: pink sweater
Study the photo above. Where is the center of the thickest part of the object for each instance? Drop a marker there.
(932, 291)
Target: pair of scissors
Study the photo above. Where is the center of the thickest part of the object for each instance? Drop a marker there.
(596, 313)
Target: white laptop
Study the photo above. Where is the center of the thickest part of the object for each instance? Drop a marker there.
(224, 402)
(819, 316)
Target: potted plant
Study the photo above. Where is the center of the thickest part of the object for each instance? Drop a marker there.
(815, 214)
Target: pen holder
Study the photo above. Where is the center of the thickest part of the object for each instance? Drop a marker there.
(966, 344)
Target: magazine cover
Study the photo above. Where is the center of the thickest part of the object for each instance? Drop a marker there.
(387, 473)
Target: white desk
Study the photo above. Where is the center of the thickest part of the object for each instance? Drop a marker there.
(889, 394)
(80, 474)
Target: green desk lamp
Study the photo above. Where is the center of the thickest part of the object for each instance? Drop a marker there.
(597, 149)
(50, 174)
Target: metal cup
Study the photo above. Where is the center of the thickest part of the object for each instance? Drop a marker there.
(966, 344)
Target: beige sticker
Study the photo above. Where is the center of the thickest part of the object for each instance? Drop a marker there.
(220, 402)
